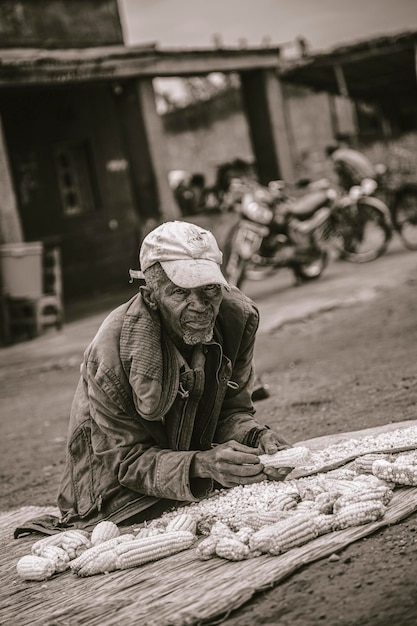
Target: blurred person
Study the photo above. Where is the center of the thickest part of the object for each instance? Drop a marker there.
(190, 193)
(231, 180)
(351, 166)
(179, 181)
(198, 188)
(163, 411)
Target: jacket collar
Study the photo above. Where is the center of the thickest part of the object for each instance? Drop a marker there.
(149, 359)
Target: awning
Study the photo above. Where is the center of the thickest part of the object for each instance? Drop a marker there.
(375, 69)
(23, 67)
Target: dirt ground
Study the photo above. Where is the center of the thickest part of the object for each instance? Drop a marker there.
(347, 369)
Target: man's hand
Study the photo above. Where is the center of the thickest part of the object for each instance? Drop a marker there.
(229, 464)
(269, 443)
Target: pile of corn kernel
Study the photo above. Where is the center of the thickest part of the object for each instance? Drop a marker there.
(246, 521)
(273, 517)
(387, 441)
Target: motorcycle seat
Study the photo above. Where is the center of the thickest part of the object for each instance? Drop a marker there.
(305, 207)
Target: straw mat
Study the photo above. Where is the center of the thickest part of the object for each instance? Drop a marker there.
(175, 591)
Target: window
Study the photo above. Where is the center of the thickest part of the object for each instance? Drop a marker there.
(73, 166)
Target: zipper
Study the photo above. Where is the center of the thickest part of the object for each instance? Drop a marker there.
(230, 383)
(182, 392)
(180, 425)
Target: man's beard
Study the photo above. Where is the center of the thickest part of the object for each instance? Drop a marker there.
(192, 338)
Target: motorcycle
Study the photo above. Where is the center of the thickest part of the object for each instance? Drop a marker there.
(402, 202)
(275, 231)
(360, 225)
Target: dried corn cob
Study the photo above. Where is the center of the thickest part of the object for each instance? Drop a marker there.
(184, 521)
(244, 534)
(324, 523)
(153, 548)
(207, 547)
(148, 531)
(57, 556)
(50, 540)
(343, 473)
(383, 494)
(72, 541)
(285, 501)
(33, 567)
(284, 535)
(74, 547)
(259, 519)
(205, 524)
(363, 464)
(310, 489)
(398, 473)
(369, 481)
(58, 538)
(86, 561)
(340, 487)
(219, 529)
(101, 563)
(290, 457)
(324, 502)
(409, 457)
(104, 531)
(358, 513)
(222, 534)
(305, 506)
(232, 549)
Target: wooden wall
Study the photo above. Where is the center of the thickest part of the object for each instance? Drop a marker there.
(59, 23)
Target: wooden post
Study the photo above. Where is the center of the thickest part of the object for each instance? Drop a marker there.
(280, 125)
(10, 224)
(344, 91)
(415, 57)
(334, 120)
(156, 144)
(341, 81)
(265, 109)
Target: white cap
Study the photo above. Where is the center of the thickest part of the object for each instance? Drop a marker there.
(189, 254)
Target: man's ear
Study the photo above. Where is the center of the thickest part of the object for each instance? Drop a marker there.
(148, 296)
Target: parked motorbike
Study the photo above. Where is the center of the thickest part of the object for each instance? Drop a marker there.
(275, 231)
(359, 225)
(402, 202)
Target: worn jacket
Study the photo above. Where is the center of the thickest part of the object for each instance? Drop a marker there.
(140, 411)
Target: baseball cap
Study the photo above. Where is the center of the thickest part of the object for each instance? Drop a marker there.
(189, 254)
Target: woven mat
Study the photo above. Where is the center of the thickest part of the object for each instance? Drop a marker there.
(177, 591)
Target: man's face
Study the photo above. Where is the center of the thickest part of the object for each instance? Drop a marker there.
(189, 314)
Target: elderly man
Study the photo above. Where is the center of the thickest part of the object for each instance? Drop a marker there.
(163, 411)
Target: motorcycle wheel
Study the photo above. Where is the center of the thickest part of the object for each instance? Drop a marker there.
(311, 271)
(363, 231)
(405, 215)
(234, 267)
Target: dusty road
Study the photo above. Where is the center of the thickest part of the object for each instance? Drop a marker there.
(338, 355)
